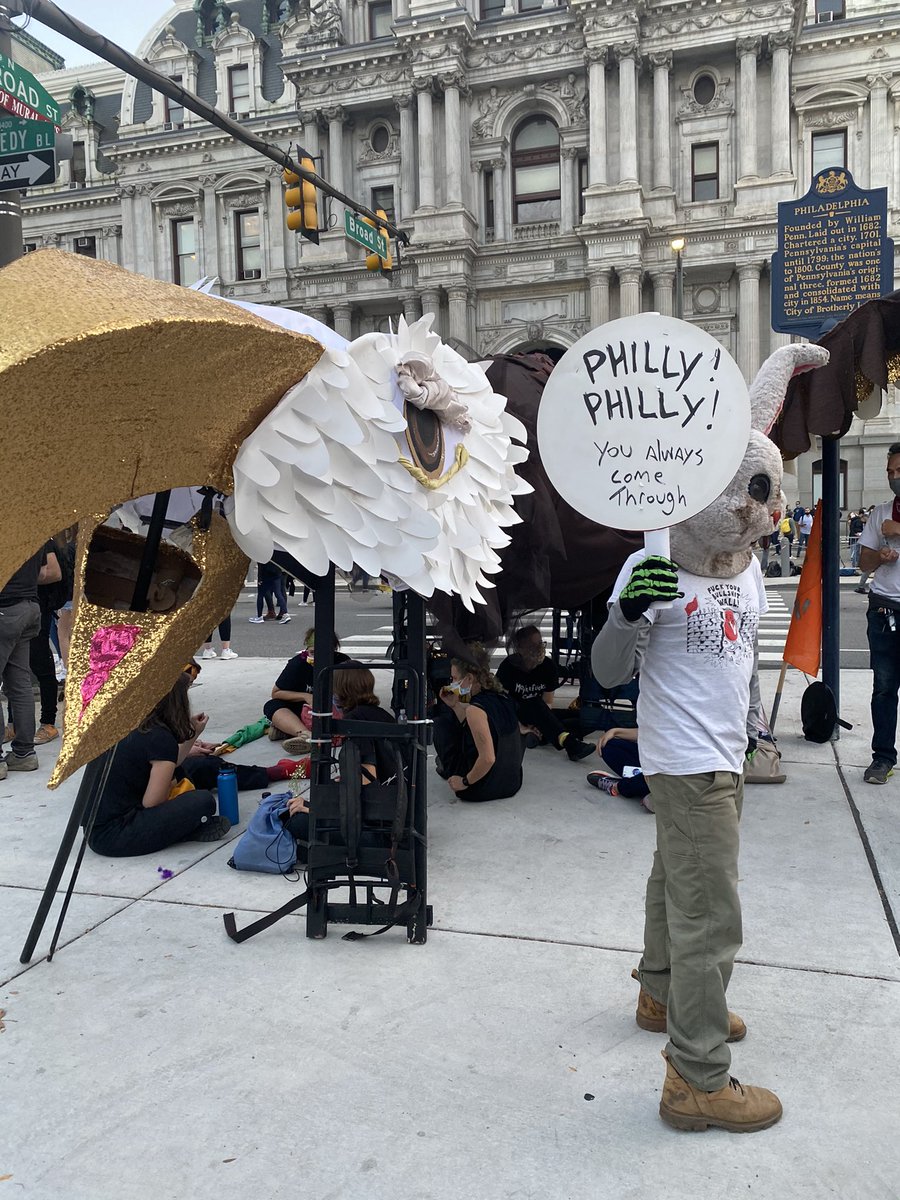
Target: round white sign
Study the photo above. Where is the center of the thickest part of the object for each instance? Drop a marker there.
(643, 422)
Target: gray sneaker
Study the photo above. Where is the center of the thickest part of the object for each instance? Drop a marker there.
(3, 769)
(21, 762)
(879, 771)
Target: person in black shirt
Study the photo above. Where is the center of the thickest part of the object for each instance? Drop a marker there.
(293, 688)
(531, 678)
(476, 732)
(143, 810)
(20, 621)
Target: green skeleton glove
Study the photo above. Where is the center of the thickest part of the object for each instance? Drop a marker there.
(653, 581)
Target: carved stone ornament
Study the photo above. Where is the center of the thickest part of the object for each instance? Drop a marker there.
(702, 19)
(171, 209)
(572, 92)
(537, 47)
(489, 104)
(689, 107)
(244, 199)
(829, 117)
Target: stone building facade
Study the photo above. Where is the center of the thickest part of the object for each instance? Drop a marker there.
(542, 157)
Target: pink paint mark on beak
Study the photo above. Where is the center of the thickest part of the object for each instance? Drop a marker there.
(109, 645)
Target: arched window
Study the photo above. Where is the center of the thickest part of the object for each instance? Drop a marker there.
(535, 171)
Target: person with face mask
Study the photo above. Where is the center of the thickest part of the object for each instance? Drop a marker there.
(879, 556)
(476, 731)
(531, 678)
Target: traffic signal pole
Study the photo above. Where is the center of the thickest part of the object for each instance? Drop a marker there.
(54, 18)
(10, 202)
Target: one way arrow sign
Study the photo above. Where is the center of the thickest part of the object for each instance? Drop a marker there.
(26, 170)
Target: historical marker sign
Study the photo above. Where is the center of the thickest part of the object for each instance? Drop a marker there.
(833, 253)
(18, 136)
(365, 235)
(23, 96)
(643, 422)
(26, 170)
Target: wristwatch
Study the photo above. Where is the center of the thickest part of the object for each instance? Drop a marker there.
(465, 781)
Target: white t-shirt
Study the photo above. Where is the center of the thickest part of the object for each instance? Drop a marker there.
(695, 674)
(806, 523)
(886, 578)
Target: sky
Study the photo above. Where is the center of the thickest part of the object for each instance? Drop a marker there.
(122, 21)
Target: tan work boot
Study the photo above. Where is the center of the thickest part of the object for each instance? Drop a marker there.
(735, 1107)
(651, 1015)
(46, 733)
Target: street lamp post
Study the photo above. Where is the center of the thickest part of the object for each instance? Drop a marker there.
(678, 246)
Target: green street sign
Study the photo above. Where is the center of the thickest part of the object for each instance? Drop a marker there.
(23, 96)
(364, 235)
(18, 136)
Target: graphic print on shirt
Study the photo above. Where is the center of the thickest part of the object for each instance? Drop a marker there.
(721, 625)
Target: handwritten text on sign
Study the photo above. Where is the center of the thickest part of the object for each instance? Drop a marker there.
(643, 422)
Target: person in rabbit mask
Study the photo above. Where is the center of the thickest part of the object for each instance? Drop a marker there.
(689, 625)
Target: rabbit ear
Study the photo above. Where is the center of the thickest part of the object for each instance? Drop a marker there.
(769, 388)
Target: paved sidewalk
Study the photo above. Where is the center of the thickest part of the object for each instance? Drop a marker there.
(154, 1058)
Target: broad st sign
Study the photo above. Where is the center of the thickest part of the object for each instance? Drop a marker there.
(23, 96)
(833, 253)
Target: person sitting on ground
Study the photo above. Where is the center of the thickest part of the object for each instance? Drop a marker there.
(143, 809)
(354, 695)
(476, 732)
(531, 679)
(619, 750)
(293, 688)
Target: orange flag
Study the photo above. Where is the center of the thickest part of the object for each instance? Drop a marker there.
(803, 645)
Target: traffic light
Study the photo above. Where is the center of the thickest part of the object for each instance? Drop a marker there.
(374, 262)
(302, 201)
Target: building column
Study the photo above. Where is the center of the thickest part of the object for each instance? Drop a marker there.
(599, 283)
(412, 309)
(780, 44)
(452, 142)
(208, 242)
(431, 303)
(748, 319)
(626, 54)
(662, 136)
(335, 165)
(498, 165)
(663, 291)
(879, 158)
(895, 189)
(426, 143)
(343, 320)
(407, 204)
(459, 313)
(629, 291)
(401, 9)
(748, 51)
(596, 60)
(568, 189)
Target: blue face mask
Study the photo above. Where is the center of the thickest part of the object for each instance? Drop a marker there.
(335, 703)
(459, 689)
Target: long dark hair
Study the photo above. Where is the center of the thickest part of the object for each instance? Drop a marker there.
(354, 687)
(173, 712)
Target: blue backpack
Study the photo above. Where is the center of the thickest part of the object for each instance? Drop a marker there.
(266, 845)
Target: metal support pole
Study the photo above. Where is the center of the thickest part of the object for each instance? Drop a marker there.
(831, 595)
(10, 202)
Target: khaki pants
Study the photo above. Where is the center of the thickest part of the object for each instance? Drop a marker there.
(692, 928)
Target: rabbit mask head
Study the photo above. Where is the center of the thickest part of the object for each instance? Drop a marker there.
(717, 542)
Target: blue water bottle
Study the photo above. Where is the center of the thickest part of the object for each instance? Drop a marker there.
(227, 788)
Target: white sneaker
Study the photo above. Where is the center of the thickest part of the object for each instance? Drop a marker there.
(256, 620)
(210, 653)
(284, 618)
(229, 653)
